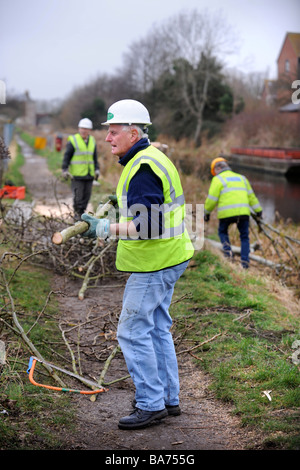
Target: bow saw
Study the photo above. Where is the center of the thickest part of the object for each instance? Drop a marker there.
(31, 366)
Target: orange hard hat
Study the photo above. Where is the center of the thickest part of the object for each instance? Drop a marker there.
(213, 164)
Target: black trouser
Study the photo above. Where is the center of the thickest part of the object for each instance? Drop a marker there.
(82, 190)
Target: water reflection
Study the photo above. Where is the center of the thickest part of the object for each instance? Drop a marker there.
(275, 193)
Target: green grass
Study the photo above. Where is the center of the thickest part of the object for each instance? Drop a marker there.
(253, 353)
(32, 417)
(14, 175)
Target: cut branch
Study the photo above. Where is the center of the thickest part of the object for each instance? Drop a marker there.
(20, 331)
(80, 227)
(201, 344)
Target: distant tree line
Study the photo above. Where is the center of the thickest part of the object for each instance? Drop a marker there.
(176, 70)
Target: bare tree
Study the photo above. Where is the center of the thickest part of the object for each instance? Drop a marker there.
(196, 43)
(145, 61)
(201, 41)
(247, 87)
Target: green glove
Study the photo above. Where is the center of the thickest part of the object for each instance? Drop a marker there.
(113, 199)
(93, 222)
(97, 227)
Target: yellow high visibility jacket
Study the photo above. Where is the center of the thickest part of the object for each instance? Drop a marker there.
(233, 195)
(174, 245)
(82, 162)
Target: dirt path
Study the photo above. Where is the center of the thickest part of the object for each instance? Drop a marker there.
(205, 423)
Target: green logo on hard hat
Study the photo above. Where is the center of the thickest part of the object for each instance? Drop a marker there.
(109, 116)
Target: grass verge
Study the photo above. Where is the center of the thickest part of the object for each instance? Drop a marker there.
(251, 353)
(14, 175)
(30, 417)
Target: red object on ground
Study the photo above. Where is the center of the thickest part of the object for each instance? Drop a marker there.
(12, 192)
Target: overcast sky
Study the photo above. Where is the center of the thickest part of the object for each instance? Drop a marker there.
(51, 46)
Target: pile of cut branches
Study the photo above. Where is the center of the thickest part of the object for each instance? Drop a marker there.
(14, 323)
(31, 233)
(281, 244)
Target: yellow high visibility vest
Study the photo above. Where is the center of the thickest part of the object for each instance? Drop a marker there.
(174, 245)
(82, 162)
(233, 195)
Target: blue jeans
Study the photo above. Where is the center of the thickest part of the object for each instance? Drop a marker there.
(243, 228)
(145, 339)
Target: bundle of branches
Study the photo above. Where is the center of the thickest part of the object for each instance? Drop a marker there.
(283, 248)
(79, 257)
(14, 320)
(4, 151)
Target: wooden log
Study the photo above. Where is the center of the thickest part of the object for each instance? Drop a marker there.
(62, 237)
(80, 227)
(258, 259)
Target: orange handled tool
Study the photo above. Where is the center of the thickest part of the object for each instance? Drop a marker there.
(30, 371)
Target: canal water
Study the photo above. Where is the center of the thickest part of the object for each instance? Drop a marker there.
(275, 194)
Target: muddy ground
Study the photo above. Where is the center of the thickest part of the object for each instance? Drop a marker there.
(205, 423)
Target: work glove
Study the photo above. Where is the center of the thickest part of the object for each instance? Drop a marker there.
(259, 214)
(65, 174)
(97, 227)
(97, 174)
(206, 217)
(103, 229)
(113, 198)
(92, 222)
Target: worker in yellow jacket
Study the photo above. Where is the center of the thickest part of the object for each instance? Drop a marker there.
(155, 247)
(234, 197)
(81, 164)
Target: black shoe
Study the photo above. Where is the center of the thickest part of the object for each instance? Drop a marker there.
(141, 418)
(173, 410)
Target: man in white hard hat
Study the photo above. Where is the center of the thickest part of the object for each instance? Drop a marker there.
(81, 164)
(155, 248)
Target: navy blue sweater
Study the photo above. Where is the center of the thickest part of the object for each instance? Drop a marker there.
(145, 189)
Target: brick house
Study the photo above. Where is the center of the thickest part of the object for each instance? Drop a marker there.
(288, 70)
(288, 62)
(279, 91)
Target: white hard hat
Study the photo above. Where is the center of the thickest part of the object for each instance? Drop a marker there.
(85, 123)
(127, 112)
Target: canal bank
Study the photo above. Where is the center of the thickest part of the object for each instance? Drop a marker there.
(278, 161)
(276, 193)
